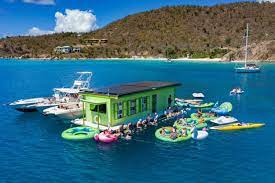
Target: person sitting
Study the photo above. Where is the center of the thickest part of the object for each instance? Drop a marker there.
(199, 113)
(173, 130)
(166, 131)
(183, 132)
(162, 131)
(106, 132)
(182, 121)
(173, 135)
(201, 120)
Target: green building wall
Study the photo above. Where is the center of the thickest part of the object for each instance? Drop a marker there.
(112, 102)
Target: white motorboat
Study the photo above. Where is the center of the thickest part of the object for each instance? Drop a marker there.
(60, 96)
(236, 91)
(188, 100)
(28, 101)
(67, 111)
(198, 95)
(222, 120)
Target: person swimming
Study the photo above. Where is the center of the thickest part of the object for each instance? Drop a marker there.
(139, 124)
(148, 118)
(156, 116)
(128, 136)
(144, 123)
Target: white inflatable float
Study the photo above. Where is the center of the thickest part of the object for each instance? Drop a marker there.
(200, 135)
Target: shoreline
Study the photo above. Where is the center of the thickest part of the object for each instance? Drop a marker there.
(214, 60)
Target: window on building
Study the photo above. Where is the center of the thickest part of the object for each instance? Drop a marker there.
(144, 104)
(100, 108)
(133, 107)
(119, 110)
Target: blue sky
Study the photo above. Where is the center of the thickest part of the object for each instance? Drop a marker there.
(18, 16)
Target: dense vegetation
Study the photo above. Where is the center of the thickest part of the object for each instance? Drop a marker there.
(171, 32)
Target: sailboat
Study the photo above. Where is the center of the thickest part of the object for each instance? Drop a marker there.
(247, 68)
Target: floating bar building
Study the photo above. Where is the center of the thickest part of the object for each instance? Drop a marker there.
(112, 106)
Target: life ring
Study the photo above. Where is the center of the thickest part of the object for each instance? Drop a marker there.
(159, 135)
(97, 119)
(107, 138)
(79, 133)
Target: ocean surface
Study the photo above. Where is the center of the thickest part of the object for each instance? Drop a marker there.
(32, 150)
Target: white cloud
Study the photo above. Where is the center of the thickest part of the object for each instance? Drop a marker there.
(42, 2)
(37, 32)
(260, 1)
(71, 21)
(75, 21)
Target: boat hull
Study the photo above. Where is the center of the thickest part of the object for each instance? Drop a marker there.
(70, 115)
(237, 126)
(26, 109)
(64, 114)
(244, 70)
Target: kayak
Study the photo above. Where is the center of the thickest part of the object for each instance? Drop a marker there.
(224, 120)
(183, 124)
(167, 137)
(204, 105)
(205, 116)
(223, 109)
(237, 126)
(79, 133)
(200, 135)
(106, 138)
(185, 103)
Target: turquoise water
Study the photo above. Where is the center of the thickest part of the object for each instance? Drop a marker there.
(32, 149)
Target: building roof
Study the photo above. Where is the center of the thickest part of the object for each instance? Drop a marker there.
(130, 88)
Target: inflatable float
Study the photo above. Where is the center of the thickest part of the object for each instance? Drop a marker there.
(200, 135)
(205, 116)
(224, 120)
(182, 124)
(105, 137)
(237, 126)
(223, 109)
(79, 133)
(204, 105)
(167, 134)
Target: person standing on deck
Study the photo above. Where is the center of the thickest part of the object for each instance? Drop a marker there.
(169, 100)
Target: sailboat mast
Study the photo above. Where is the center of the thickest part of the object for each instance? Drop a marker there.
(246, 44)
